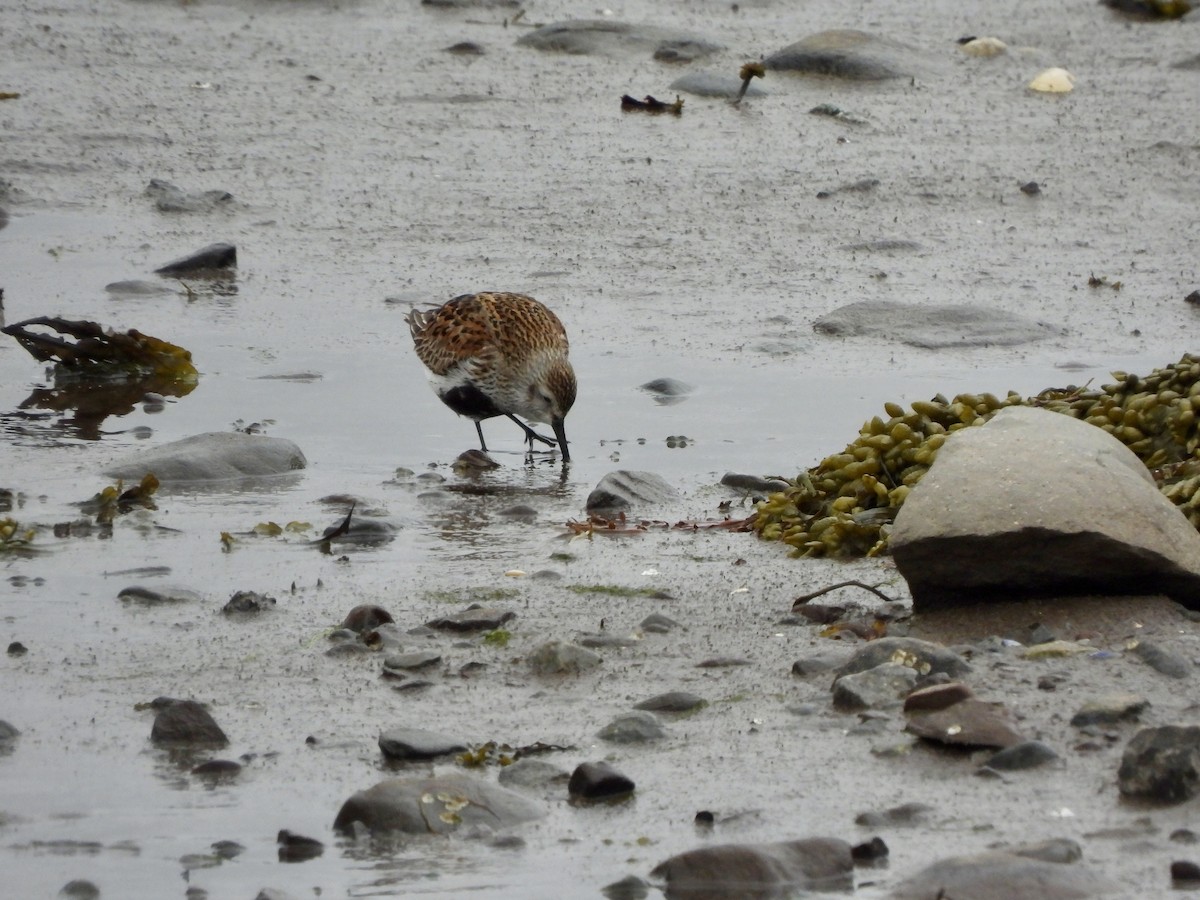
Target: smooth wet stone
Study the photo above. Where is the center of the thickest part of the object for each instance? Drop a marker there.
(413, 661)
(657, 623)
(562, 657)
(1162, 764)
(297, 847)
(628, 888)
(753, 484)
(812, 665)
(8, 732)
(601, 641)
(248, 603)
(672, 701)
(169, 198)
(366, 617)
(902, 815)
(606, 36)
(1012, 509)
(146, 596)
(1162, 660)
(925, 657)
(138, 288)
(532, 773)
(723, 662)
(363, 532)
(882, 687)
(214, 456)
(473, 618)
(969, 723)
(638, 727)
(213, 259)
(438, 805)
(1053, 850)
(1026, 755)
(418, 743)
(932, 326)
(999, 875)
(217, 768)
(937, 696)
(667, 390)
(598, 781)
(1110, 709)
(186, 723)
(714, 84)
(625, 490)
(757, 870)
(79, 889)
(846, 53)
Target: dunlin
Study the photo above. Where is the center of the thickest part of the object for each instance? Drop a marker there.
(498, 354)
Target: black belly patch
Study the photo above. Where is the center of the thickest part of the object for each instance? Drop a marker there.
(468, 400)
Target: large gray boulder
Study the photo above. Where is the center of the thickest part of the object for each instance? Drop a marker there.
(1036, 503)
(213, 456)
(437, 805)
(932, 326)
(758, 870)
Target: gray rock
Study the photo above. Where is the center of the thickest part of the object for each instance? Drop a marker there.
(1013, 508)
(931, 326)
(473, 618)
(667, 390)
(1162, 764)
(882, 687)
(605, 36)
(8, 731)
(812, 666)
(248, 603)
(138, 289)
(752, 484)
(562, 657)
(1162, 660)
(968, 723)
(846, 53)
(624, 490)
(145, 596)
(925, 657)
(999, 875)
(758, 870)
(1110, 709)
(1026, 755)
(169, 198)
(904, 814)
(418, 743)
(601, 641)
(185, 723)
(214, 456)
(437, 805)
(532, 773)
(215, 259)
(1053, 850)
(713, 84)
(79, 889)
(638, 727)
(416, 660)
(672, 701)
(657, 623)
(598, 781)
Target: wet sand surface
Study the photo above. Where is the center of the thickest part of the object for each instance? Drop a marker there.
(370, 171)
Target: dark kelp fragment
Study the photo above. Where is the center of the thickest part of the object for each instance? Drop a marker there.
(89, 350)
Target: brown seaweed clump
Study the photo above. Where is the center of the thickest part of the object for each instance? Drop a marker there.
(844, 506)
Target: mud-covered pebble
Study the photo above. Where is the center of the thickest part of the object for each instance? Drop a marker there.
(598, 780)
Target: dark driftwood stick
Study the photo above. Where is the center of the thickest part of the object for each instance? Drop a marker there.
(804, 598)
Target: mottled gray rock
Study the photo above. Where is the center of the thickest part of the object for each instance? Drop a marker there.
(1110, 709)
(714, 84)
(8, 731)
(562, 657)
(925, 657)
(758, 870)
(999, 875)
(812, 665)
(968, 723)
(601, 641)
(169, 198)
(145, 596)
(753, 484)
(79, 889)
(215, 259)
(636, 727)
(1015, 508)
(248, 603)
(904, 814)
(367, 617)
(937, 696)
(1053, 850)
(185, 723)
(598, 781)
(846, 53)
(473, 618)
(1026, 755)
(672, 701)
(413, 661)
(657, 623)
(605, 36)
(532, 773)
(1159, 658)
(882, 687)
(418, 743)
(214, 456)
(137, 288)
(437, 805)
(1162, 764)
(624, 490)
(931, 326)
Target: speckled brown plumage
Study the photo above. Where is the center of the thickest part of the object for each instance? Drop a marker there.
(495, 353)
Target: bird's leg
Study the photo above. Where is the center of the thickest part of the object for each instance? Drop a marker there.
(530, 434)
(479, 431)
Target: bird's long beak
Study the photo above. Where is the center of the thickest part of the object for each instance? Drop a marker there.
(560, 432)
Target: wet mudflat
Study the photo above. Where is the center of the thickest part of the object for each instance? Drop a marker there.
(369, 170)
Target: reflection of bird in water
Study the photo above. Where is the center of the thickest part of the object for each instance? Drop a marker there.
(498, 354)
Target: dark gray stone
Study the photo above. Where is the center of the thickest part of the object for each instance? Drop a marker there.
(1026, 755)
(598, 781)
(636, 727)
(562, 657)
(169, 198)
(812, 666)
(882, 687)
(667, 388)
(672, 701)
(753, 484)
(924, 657)
(657, 623)
(1110, 709)
(181, 723)
(215, 456)
(248, 603)
(418, 743)
(904, 814)
(1162, 660)
(845, 53)
(758, 870)
(144, 596)
(1162, 764)
(79, 889)
(968, 723)
(135, 288)
(999, 875)
(605, 36)
(437, 805)
(625, 490)
(213, 259)
(1011, 509)
(473, 618)
(931, 326)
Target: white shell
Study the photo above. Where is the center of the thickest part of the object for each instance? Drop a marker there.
(1053, 81)
(984, 46)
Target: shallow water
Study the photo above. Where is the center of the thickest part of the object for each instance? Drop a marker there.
(372, 171)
